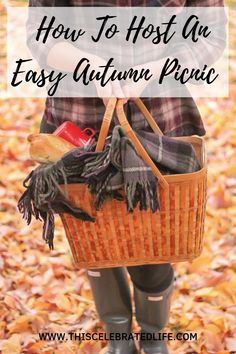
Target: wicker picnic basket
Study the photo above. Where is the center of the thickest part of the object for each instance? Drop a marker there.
(118, 238)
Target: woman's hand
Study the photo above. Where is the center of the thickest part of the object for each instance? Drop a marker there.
(135, 89)
(112, 88)
(64, 56)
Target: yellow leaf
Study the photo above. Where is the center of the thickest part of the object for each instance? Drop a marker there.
(12, 345)
(220, 323)
(194, 325)
(81, 308)
(183, 321)
(200, 263)
(230, 171)
(21, 324)
(188, 305)
(212, 328)
(87, 294)
(62, 302)
(208, 292)
(228, 288)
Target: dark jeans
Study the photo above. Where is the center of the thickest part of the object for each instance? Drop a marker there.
(149, 278)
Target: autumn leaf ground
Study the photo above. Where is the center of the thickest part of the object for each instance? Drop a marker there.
(41, 290)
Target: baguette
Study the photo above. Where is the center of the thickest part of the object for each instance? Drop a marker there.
(48, 148)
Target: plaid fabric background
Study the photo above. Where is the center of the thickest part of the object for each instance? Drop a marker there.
(175, 116)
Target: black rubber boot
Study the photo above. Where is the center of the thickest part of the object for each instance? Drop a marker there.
(112, 299)
(152, 314)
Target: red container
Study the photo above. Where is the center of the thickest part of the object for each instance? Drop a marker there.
(74, 134)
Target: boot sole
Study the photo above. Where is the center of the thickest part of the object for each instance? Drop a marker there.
(105, 350)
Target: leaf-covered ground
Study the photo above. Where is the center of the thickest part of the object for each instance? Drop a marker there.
(41, 291)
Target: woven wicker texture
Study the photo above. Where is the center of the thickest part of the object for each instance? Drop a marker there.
(118, 238)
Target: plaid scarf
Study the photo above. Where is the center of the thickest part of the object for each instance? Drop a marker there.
(175, 156)
(121, 167)
(43, 196)
(117, 167)
(128, 171)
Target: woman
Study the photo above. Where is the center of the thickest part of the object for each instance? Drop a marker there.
(153, 284)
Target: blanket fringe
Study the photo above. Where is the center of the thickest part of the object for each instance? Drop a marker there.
(144, 193)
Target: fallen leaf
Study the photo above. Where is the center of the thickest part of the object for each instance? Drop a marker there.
(12, 345)
(231, 344)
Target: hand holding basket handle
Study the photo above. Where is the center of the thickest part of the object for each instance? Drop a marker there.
(119, 105)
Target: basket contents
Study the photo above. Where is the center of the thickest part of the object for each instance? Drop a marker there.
(74, 134)
(117, 167)
(46, 148)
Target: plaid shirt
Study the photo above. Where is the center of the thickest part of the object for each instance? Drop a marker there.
(175, 116)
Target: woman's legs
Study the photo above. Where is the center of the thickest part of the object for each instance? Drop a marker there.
(152, 291)
(112, 299)
(153, 285)
(151, 277)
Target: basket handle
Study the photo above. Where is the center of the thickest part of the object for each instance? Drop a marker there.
(108, 117)
(130, 133)
(110, 108)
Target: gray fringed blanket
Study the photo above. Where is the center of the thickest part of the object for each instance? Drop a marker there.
(117, 167)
